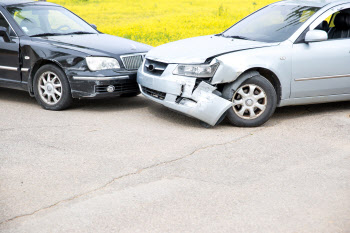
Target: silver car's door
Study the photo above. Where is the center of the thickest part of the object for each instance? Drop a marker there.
(321, 68)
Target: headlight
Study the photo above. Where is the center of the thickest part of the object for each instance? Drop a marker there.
(102, 63)
(198, 71)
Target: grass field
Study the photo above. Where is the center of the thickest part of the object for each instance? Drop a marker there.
(162, 21)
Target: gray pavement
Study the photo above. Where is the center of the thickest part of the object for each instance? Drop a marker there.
(129, 165)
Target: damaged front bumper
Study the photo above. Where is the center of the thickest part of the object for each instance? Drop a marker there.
(183, 95)
(103, 85)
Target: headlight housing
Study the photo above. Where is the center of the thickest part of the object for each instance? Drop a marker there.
(102, 63)
(198, 71)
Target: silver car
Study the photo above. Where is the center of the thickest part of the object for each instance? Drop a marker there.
(287, 53)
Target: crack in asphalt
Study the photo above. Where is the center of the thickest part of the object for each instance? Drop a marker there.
(7, 129)
(131, 174)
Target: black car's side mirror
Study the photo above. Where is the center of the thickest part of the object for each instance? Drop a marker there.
(4, 34)
(93, 26)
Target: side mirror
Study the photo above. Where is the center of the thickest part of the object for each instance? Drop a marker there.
(4, 34)
(93, 26)
(316, 36)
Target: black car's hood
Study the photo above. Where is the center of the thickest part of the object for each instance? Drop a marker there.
(97, 44)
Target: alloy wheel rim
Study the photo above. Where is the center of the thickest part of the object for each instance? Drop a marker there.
(249, 102)
(50, 88)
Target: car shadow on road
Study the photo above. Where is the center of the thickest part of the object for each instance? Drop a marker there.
(101, 105)
(163, 113)
(16, 96)
(281, 114)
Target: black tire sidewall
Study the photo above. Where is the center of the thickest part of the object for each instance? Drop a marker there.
(66, 98)
(270, 108)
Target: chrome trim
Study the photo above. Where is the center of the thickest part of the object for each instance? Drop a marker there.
(324, 77)
(25, 69)
(99, 78)
(132, 55)
(8, 68)
(9, 23)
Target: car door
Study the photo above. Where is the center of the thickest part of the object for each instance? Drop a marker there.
(9, 54)
(321, 68)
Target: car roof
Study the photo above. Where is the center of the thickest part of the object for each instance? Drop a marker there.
(315, 3)
(21, 2)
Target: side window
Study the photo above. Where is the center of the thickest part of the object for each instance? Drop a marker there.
(337, 24)
(3, 23)
(331, 20)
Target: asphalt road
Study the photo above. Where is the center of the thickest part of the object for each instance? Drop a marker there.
(129, 165)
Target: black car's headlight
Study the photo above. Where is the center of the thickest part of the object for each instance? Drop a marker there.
(102, 63)
(198, 71)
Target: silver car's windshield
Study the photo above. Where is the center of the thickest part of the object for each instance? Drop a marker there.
(49, 21)
(274, 23)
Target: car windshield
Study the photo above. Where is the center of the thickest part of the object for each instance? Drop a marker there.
(48, 21)
(274, 23)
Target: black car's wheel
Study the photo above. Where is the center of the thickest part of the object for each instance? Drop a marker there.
(254, 102)
(133, 94)
(51, 88)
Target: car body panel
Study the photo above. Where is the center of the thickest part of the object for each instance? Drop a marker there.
(278, 61)
(315, 74)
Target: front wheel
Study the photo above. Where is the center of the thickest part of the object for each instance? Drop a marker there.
(51, 88)
(254, 102)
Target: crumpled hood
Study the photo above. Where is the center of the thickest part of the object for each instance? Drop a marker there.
(97, 44)
(198, 49)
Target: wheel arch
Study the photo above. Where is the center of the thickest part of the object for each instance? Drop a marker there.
(36, 67)
(268, 74)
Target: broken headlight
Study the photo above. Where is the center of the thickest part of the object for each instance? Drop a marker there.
(198, 71)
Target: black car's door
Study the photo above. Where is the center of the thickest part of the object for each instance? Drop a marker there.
(9, 55)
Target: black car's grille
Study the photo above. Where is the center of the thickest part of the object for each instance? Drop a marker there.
(133, 61)
(123, 87)
(156, 94)
(154, 67)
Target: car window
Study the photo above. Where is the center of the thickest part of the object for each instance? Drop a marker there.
(55, 20)
(27, 20)
(4, 23)
(274, 23)
(331, 19)
(335, 33)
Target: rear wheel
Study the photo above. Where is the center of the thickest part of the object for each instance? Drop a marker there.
(254, 102)
(51, 88)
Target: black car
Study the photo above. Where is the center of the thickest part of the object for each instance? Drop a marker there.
(56, 56)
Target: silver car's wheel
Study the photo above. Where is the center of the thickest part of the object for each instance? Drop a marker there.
(254, 101)
(249, 101)
(50, 88)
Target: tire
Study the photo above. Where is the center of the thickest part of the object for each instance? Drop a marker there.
(255, 101)
(132, 94)
(51, 88)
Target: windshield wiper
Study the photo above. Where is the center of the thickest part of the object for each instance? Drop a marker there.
(79, 33)
(47, 34)
(238, 37)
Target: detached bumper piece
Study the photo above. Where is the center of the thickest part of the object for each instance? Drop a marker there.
(183, 95)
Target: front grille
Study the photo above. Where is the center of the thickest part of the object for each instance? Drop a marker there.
(154, 67)
(123, 87)
(133, 61)
(154, 93)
